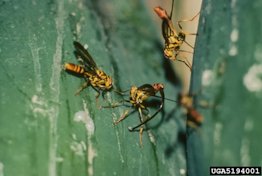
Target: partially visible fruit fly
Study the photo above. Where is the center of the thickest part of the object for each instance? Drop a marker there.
(95, 77)
(174, 39)
(138, 97)
(194, 118)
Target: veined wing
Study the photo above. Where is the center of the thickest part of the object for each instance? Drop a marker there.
(166, 30)
(83, 54)
(147, 89)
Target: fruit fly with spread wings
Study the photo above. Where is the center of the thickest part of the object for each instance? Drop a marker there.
(173, 38)
(137, 102)
(88, 69)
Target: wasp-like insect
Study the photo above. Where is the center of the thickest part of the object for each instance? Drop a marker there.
(173, 39)
(88, 69)
(194, 118)
(137, 102)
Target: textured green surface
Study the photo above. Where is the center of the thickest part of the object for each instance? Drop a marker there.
(228, 67)
(38, 131)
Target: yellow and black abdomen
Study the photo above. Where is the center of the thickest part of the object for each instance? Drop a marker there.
(74, 69)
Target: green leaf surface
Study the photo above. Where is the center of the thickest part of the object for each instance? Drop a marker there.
(227, 70)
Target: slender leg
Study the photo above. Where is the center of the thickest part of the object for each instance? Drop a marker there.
(114, 105)
(97, 102)
(103, 94)
(97, 96)
(123, 116)
(141, 130)
(180, 21)
(171, 12)
(189, 45)
(183, 59)
(140, 136)
(98, 92)
(184, 51)
(85, 85)
(142, 119)
(187, 33)
(121, 92)
(151, 137)
(187, 64)
(142, 124)
(117, 104)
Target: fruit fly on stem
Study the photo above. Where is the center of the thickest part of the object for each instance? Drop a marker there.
(137, 102)
(94, 77)
(173, 38)
(195, 119)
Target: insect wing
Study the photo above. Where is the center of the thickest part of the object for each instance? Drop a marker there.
(147, 89)
(166, 20)
(83, 54)
(166, 30)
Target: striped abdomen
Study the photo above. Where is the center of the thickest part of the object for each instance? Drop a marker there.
(74, 68)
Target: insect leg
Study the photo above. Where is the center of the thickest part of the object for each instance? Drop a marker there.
(149, 118)
(123, 116)
(187, 33)
(117, 104)
(103, 94)
(98, 92)
(184, 51)
(189, 46)
(180, 21)
(97, 96)
(121, 92)
(171, 12)
(186, 63)
(85, 85)
(141, 130)
(183, 59)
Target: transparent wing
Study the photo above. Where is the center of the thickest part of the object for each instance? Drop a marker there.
(83, 54)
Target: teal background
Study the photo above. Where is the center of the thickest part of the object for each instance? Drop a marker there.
(227, 69)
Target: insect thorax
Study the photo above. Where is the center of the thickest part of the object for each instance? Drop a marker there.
(181, 36)
(137, 97)
(101, 80)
